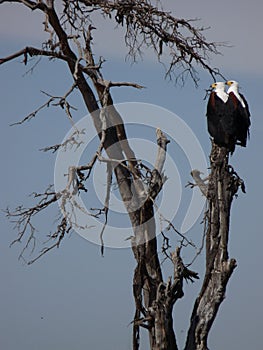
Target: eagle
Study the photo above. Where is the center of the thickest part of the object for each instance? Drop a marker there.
(228, 116)
(220, 118)
(241, 112)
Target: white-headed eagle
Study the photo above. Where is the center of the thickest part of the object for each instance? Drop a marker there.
(241, 112)
(228, 117)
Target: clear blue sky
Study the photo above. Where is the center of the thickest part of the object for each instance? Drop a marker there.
(73, 298)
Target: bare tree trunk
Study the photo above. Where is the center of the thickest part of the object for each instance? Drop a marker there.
(150, 293)
(223, 185)
(154, 298)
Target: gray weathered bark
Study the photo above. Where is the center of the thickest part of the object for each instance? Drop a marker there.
(222, 187)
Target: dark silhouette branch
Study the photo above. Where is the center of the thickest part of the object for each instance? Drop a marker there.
(62, 102)
(149, 27)
(31, 52)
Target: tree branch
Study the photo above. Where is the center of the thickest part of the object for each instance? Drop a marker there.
(32, 51)
(223, 186)
(199, 182)
(147, 26)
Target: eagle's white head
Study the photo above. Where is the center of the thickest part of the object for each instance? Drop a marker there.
(234, 87)
(219, 88)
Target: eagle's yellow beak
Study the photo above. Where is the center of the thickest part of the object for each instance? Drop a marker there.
(213, 85)
(229, 82)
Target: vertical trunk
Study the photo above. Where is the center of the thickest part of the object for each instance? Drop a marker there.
(154, 299)
(223, 185)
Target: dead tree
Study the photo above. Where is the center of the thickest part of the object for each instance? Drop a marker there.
(69, 40)
(222, 187)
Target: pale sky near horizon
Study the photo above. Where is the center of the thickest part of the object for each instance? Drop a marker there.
(73, 298)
